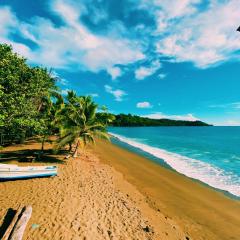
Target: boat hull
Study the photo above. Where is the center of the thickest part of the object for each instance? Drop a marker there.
(13, 172)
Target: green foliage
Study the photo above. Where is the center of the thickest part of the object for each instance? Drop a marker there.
(104, 116)
(23, 90)
(128, 120)
(78, 122)
(30, 105)
(51, 105)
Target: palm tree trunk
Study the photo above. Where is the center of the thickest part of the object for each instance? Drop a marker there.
(70, 147)
(43, 142)
(76, 149)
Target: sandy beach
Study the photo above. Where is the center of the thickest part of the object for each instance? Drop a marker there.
(199, 210)
(110, 193)
(87, 200)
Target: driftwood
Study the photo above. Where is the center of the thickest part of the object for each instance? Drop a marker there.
(13, 222)
(67, 156)
(18, 230)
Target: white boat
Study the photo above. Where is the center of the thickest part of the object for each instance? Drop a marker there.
(12, 172)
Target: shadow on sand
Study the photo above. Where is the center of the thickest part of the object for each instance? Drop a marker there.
(33, 156)
(6, 221)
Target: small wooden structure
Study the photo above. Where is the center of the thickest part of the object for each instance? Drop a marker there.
(18, 225)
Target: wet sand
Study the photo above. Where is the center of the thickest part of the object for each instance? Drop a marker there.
(200, 211)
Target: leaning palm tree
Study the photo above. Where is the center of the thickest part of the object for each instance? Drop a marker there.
(79, 123)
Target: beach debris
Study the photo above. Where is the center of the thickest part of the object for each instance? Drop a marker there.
(12, 224)
(19, 228)
(146, 229)
(34, 226)
(19, 222)
(67, 156)
(109, 233)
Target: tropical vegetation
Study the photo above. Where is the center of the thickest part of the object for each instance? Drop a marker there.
(78, 123)
(22, 92)
(31, 105)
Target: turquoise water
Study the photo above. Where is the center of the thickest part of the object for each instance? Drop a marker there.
(209, 154)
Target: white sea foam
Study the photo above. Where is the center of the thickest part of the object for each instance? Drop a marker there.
(190, 167)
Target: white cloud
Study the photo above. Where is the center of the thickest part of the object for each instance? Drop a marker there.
(231, 123)
(207, 38)
(184, 32)
(115, 72)
(177, 8)
(117, 93)
(162, 75)
(70, 44)
(166, 11)
(63, 81)
(8, 21)
(65, 91)
(159, 115)
(234, 105)
(143, 105)
(94, 94)
(144, 72)
(10, 24)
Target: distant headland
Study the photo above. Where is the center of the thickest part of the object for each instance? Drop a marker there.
(129, 120)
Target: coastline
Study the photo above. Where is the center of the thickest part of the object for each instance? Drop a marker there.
(199, 210)
(139, 151)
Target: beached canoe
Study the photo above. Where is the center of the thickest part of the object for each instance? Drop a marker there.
(11, 172)
(9, 165)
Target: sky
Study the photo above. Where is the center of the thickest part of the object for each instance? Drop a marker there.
(177, 59)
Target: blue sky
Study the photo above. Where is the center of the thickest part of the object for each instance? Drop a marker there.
(158, 58)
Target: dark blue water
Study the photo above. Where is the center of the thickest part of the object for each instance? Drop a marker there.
(209, 154)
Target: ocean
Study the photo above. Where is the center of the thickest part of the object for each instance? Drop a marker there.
(208, 154)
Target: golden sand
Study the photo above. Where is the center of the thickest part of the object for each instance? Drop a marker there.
(200, 211)
(122, 196)
(87, 200)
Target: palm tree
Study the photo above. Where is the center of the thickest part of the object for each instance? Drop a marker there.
(51, 105)
(104, 116)
(79, 123)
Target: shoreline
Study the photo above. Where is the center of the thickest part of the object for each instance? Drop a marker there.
(119, 141)
(202, 211)
(163, 164)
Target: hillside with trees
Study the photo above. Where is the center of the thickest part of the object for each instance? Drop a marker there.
(128, 120)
